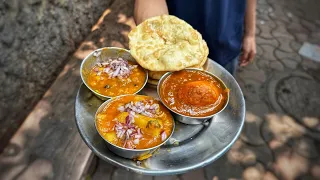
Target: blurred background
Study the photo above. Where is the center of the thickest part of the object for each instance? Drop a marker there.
(42, 43)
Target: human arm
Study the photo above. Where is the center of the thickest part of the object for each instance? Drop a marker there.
(144, 9)
(249, 40)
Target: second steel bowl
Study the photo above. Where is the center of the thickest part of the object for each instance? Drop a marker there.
(105, 53)
(189, 119)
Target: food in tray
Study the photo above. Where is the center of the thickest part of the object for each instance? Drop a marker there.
(167, 43)
(116, 76)
(134, 122)
(193, 93)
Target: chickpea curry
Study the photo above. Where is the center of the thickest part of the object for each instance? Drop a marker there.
(116, 77)
(134, 122)
(193, 93)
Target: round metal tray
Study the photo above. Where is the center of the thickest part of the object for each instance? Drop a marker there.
(190, 147)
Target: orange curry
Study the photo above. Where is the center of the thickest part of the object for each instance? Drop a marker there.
(134, 122)
(112, 79)
(193, 93)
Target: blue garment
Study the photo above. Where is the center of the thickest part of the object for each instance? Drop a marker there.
(231, 67)
(220, 22)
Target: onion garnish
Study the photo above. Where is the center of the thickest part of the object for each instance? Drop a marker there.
(136, 141)
(96, 53)
(139, 163)
(146, 109)
(121, 108)
(115, 67)
(163, 136)
(128, 130)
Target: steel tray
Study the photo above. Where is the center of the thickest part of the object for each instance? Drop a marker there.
(190, 147)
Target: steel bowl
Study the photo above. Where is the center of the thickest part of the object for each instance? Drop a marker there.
(138, 154)
(106, 53)
(189, 119)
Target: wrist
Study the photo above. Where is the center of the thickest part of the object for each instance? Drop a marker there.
(249, 35)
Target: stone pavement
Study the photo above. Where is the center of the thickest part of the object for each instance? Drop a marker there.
(281, 136)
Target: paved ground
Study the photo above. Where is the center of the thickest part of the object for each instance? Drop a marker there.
(282, 131)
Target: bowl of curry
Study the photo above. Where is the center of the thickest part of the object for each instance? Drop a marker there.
(134, 126)
(109, 72)
(193, 95)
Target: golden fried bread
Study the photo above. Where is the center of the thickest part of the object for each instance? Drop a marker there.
(156, 75)
(153, 81)
(167, 43)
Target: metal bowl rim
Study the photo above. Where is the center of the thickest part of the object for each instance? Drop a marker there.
(102, 106)
(192, 117)
(112, 48)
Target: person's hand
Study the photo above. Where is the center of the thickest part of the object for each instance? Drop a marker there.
(248, 50)
(144, 9)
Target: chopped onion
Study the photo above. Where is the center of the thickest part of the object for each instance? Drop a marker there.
(127, 120)
(116, 67)
(120, 133)
(139, 131)
(146, 113)
(116, 72)
(130, 118)
(154, 106)
(147, 106)
(121, 108)
(139, 163)
(138, 136)
(129, 132)
(105, 63)
(136, 141)
(132, 113)
(106, 70)
(145, 109)
(96, 53)
(163, 136)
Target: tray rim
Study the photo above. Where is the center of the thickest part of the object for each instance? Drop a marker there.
(168, 171)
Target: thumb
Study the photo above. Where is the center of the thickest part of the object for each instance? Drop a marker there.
(244, 57)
